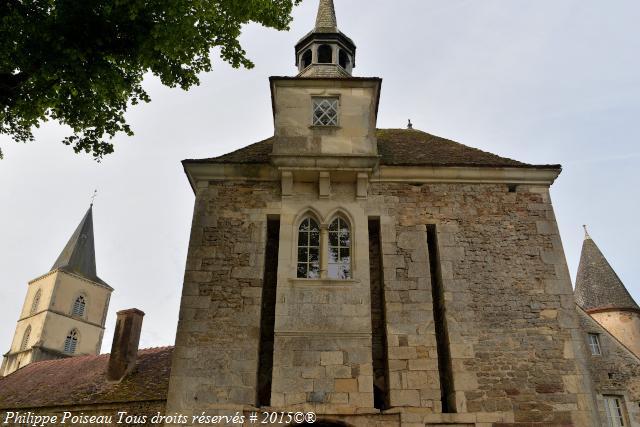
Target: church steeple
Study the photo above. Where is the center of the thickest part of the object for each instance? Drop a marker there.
(325, 51)
(79, 255)
(64, 311)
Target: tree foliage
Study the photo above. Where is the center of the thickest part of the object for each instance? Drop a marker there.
(82, 62)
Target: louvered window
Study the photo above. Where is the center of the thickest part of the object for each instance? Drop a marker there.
(71, 342)
(36, 301)
(25, 339)
(78, 307)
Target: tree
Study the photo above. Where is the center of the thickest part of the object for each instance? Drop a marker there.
(82, 62)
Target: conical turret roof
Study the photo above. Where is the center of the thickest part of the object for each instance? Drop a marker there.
(79, 255)
(597, 284)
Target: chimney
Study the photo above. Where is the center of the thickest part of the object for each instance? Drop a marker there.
(124, 350)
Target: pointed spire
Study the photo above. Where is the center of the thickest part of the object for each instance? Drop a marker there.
(326, 20)
(597, 284)
(78, 256)
(586, 232)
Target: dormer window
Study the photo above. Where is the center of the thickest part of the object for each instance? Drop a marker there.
(325, 111)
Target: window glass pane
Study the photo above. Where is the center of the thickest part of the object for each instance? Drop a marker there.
(314, 239)
(302, 271)
(303, 254)
(303, 239)
(314, 255)
(325, 111)
(314, 271)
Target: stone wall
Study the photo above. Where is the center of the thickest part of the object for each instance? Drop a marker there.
(509, 302)
(216, 356)
(516, 351)
(615, 372)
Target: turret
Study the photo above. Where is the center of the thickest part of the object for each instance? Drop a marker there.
(601, 293)
(325, 51)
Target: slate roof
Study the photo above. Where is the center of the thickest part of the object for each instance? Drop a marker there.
(396, 147)
(82, 380)
(79, 254)
(326, 19)
(597, 284)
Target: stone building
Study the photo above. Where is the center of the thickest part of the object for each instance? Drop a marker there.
(375, 277)
(378, 277)
(610, 321)
(64, 311)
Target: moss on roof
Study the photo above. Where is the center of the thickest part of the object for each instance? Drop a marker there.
(82, 380)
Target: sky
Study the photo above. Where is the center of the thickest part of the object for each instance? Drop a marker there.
(540, 81)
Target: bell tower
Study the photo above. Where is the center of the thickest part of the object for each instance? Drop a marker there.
(325, 51)
(64, 310)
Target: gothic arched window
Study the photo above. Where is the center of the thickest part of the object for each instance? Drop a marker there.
(36, 301)
(309, 249)
(307, 58)
(71, 342)
(78, 307)
(25, 339)
(325, 54)
(339, 260)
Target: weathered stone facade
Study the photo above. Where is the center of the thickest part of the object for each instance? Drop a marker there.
(456, 307)
(616, 371)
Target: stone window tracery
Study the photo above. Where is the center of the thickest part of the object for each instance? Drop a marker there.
(325, 111)
(309, 249)
(78, 307)
(71, 342)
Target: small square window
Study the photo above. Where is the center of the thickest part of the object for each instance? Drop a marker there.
(325, 111)
(594, 344)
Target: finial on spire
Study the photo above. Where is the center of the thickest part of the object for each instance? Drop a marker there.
(410, 125)
(93, 197)
(586, 232)
(326, 18)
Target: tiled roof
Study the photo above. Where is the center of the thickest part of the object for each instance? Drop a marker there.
(397, 147)
(326, 19)
(82, 380)
(597, 284)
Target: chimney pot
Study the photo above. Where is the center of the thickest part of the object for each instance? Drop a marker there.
(126, 338)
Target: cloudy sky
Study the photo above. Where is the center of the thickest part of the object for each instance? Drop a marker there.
(541, 81)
